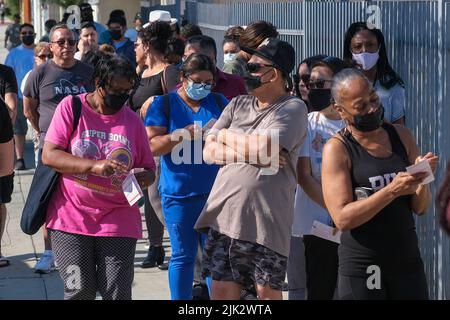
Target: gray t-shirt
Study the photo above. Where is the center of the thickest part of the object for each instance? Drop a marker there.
(244, 203)
(50, 83)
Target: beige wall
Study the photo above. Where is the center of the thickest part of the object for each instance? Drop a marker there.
(131, 7)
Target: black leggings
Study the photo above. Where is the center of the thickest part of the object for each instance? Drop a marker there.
(321, 258)
(411, 286)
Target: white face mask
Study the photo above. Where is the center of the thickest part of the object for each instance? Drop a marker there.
(367, 60)
(229, 57)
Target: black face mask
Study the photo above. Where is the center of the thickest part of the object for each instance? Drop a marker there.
(28, 40)
(115, 101)
(319, 99)
(116, 34)
(369, 121)
(254, 82)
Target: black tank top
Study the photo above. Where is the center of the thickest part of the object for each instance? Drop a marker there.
(389, 239)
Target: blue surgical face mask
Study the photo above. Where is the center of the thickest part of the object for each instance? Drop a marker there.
(229, 57)
(197, 91)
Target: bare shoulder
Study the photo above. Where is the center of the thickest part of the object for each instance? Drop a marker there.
(336, 149)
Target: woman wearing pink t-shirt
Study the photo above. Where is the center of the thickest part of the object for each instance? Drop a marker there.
(93, 228)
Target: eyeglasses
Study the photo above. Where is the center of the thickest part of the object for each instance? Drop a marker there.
(253, 67)
(62, 42)
(317, 84)
(45, 56)
(30, 33)
(198, 85)
(304, 77)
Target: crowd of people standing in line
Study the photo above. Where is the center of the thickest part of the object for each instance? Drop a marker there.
(327, 147)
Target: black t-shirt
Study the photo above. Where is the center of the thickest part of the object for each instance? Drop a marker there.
(389, 239)
(49, 83)
(152, 86)
(6, 128)
(8, 81)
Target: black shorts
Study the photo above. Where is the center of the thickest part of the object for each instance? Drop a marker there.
(243, 262)
(6, 188)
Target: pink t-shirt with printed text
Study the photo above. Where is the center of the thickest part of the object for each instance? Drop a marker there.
(93, 205)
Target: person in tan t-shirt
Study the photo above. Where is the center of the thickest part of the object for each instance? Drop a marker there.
(249, 212)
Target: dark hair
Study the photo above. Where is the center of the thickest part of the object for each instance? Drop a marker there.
(175, 46)
(309, 62)
(230, 39)
(385, 74)
(332, 63)
(24, 25)
(93, 57)
(109, 67)
(116, 19)
(206, 44)
(17, 16)
(157, 35)
(443, 200)
(197, 62)
(88, 24)
(256, 32)
(177, 27)
(117, 13)
(234, 32)
(190, 30)
(50, 23)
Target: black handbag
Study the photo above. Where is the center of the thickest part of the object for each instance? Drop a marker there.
(44, 182)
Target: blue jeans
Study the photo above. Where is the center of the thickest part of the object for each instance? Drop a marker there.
(181, 215)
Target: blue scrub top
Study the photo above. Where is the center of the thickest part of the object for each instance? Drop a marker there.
(187, 178)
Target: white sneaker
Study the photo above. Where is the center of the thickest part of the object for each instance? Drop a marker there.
(46, 263)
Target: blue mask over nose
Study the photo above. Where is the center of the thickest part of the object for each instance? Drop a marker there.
(197, 91)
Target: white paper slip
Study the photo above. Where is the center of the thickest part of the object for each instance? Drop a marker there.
(131, 189)
(323, 231)
(422, 166)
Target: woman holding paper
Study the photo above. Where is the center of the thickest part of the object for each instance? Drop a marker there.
(173, 126)
(372, 198)
(93, 227)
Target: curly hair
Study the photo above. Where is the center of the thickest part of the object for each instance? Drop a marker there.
(157, 35)
(443, 201)
(110, 67)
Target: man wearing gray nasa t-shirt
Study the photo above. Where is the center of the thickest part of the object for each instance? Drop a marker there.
(59, 77)
(250, 209)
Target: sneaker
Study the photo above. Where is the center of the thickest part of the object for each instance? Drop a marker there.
(20, 165)
(46, 263)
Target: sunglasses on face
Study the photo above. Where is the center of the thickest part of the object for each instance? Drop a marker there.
(317, 84)
(62, 42)
(304, 78)
(253, 67)
(198, 85)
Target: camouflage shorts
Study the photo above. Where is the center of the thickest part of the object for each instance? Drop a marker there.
(246, 263)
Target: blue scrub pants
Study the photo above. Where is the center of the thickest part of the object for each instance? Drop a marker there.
(181, 215)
